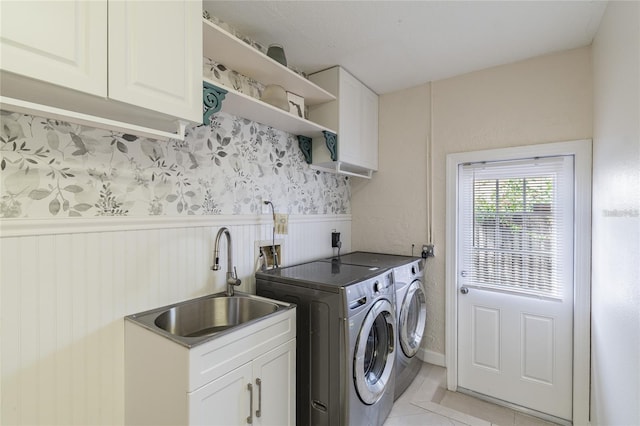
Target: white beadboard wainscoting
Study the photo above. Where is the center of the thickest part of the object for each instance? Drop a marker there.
(67, 284)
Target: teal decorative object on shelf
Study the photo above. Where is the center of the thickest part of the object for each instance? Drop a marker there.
(212, 97)
(332, 144)
(305, 144)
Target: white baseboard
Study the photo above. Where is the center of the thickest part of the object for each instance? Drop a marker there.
(435, 358)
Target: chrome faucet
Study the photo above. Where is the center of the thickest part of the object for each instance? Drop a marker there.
(232, 277)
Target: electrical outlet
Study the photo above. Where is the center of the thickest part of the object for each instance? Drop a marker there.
(428, 250)
(335, 239)
(264, 208)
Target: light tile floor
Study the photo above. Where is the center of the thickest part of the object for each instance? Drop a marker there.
(427, 402)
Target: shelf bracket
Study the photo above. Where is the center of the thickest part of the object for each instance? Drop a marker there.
(332, 144)
(212, 97)
(305, 144)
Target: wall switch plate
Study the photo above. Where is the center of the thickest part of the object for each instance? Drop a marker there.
(282, 223)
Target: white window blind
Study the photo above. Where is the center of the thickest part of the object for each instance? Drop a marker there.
(515, 217)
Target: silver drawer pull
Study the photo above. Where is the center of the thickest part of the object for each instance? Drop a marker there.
(250, 418)
(259, 410)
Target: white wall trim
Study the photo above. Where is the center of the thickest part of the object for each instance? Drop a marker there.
(435, 358)
(581, 149)
(30, 227)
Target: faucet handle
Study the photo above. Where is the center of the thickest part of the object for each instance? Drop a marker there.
(234, 278)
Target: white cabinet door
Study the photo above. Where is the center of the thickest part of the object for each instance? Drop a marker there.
(262, 390)
(349, 140)
(155, 55)
(275, 382)
(358, 133)
(355, 116)
(369, 129)
(59, 42)
(224, 401)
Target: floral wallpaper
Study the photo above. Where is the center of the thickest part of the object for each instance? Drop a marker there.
(51, 168)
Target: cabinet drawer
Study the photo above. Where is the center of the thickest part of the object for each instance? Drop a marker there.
(211, 360)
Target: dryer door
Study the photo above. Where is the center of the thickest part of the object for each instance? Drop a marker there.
(374, 352)
(413, 317)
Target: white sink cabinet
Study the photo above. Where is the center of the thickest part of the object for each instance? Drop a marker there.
(355, 114)
(246, 376)
(261, 392)
(125, 62)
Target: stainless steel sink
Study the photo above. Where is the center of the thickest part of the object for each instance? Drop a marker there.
(212, 315)
(198, 320)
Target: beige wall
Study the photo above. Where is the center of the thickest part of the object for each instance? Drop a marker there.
(545, 99)
(391, 208)
(615, 323)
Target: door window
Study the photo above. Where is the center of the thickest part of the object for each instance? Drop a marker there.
(516, 216)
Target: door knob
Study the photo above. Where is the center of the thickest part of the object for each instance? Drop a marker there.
(464, 290)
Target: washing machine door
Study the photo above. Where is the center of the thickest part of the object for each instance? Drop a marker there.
(374, 352)
(412, 319)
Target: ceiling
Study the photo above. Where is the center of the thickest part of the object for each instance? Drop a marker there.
(392, 45)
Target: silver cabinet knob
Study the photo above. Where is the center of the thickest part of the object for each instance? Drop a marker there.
(464, 290)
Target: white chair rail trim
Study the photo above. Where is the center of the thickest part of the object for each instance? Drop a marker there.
(30, 227)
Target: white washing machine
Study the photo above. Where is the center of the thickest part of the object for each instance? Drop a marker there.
(346, 344)
(411, 309)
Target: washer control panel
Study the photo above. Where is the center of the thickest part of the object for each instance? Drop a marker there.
(362, 293)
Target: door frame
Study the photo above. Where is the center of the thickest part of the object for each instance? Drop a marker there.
(581, 150)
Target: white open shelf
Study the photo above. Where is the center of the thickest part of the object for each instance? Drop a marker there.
(245, 106)
(235, 54)
(342, 168)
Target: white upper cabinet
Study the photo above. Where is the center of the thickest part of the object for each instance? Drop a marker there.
(355, 115)
(62, 42)
(128, 65)
(155, 56)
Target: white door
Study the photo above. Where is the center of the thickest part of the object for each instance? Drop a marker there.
(515, 278)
